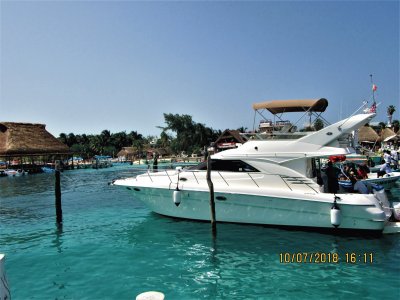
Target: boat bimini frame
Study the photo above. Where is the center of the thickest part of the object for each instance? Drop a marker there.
(310, 107)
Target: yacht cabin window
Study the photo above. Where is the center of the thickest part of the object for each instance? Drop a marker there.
(226, 165)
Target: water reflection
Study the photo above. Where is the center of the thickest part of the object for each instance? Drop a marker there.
(108, 239)
(244, 255)
(25, 185)
(58, 235)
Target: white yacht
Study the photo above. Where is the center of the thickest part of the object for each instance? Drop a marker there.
(270, 182)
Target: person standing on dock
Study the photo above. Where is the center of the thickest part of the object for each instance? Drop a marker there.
(155, 163)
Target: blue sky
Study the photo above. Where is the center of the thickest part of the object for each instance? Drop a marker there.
(85, 66)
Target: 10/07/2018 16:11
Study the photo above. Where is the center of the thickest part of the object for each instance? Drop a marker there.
(323, 257)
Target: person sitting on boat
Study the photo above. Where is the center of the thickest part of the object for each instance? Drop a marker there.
(358, 185)
(349, 168)
(394, 155)
(363, 171)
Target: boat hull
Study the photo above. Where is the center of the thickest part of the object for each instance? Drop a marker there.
(260, 209)
(387, 181)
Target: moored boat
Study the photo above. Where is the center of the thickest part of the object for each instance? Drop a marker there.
(269, 182)
(388, 180)
(47, 169)
(13, 172)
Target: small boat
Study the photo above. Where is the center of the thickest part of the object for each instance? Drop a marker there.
(47, 170)
(101, 161)
(12, 172)
(387, 181)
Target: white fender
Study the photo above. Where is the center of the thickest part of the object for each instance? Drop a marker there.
(177, 197)
(336, 216)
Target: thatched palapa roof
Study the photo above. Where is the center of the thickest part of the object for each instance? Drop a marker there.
(21, 139)
(230, 135)
(127, 151)
(387, 134)
(367, 134)
(162, 151)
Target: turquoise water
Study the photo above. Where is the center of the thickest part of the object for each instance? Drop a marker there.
(112, 247)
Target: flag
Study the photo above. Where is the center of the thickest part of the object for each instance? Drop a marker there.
(374, 87)
(373, 108)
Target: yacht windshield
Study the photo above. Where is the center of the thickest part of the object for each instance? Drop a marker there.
(226, 165)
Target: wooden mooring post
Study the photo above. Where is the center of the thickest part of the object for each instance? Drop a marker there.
(212, 202)
(58, 193)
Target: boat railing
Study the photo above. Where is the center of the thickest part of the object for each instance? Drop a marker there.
(177, 177)
(276, 135)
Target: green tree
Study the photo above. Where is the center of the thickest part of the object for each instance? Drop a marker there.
(165, 139)
(318, 124)
(390, 111)
(190, 135)
(71, 139)
(95, 144)
(138, 146)
(63, 138)
(119, 140)
(183, 126)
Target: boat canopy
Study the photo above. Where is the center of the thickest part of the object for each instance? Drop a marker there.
(282, 106)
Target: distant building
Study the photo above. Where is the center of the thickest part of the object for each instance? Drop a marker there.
(127, 153)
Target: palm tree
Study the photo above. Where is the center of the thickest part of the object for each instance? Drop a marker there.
(119, 140)
(382, 126)
(96, 143)
(390, 111)
(63, 138)
(164, 139)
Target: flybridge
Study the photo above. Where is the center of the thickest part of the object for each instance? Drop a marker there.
(336, 136)
(333, 139)
(311, 107)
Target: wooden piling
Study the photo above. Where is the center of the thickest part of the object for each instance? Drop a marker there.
(212, 202)
(58, 193)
